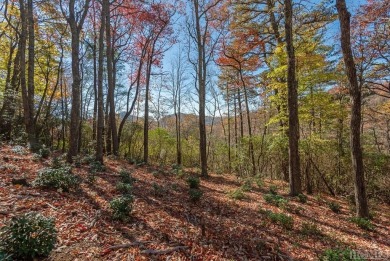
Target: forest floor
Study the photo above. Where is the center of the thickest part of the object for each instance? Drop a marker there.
(166, 225)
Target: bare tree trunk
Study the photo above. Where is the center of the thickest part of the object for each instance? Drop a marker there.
(293, 120)
(110, 80)
(356, 96)
(146, 117)
(22, 50)
(7, 111)
(100, 110)
(76, 24)
(201, 75)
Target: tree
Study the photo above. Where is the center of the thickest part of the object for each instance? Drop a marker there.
(356, 97)
(201, 36)
(75, 21)
(293, 119)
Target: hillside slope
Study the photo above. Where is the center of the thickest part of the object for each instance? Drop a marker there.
(165, 223)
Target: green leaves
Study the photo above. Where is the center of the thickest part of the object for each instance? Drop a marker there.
(28, 236)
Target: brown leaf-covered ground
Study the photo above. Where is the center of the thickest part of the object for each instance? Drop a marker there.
(164, 218)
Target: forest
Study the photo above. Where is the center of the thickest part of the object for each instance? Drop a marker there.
(194, 130)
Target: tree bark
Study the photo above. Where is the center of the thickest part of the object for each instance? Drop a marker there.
(100, 110)
(75, 24)
(7, 111)
(110, 80)
(201, 75)
(293, 120)
(356, 96)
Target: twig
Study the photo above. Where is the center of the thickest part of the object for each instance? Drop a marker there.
(136, 243)
(53, 207)
(163, 252)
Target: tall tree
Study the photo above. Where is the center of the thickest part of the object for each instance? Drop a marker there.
(356, 118)
(75, 19)
(100, 109)
(201, 35)
(110, 79)
(293, 120)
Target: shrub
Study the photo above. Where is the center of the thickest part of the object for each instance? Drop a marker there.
(56, 163)
(281, 219)
(340, 255)
(96, 166)
(237, 194)
(20, 150)
(310, 229)
(302, 198)
(335, 207)
(363, 223)
(124, 188)
(125, 177)
(60, 178)
(44, 152)
(259, 182)
(121, 207)
(247, 186)
(195, 194)
(275, 200)
(88, 159)
(158, 190)
(273, 189)
(28, 236)
(193, 182)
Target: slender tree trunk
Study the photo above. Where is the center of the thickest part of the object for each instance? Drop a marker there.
(356, 96)
(95, 91)
(293, 120)
(201, 75)
(110, 80)
(7, 111)
(100, 110)
(75, 28)
(146, 116)
(229, 130)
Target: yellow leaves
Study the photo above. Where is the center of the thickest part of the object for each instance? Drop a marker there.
(385, 107)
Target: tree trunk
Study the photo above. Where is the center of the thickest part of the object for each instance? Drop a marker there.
(293, 120)
(7, 111)
(100, 110)
(146, 117)
(110, 80)
(201, 75)
(355, 93)
(75, 29)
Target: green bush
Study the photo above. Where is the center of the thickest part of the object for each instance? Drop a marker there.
(302, 198)
(247, 186)
(56, 163)
(60, 178)
(158, 190)
(281, 219)
(238, 194)
(96, 166)
(273, 189)
(121, 207)
(28, 236)
(193, 182)
(259, 181)
(44, 152)
(195, 194)
(335, 207)
(363, 223)
(124, 188)
(275, 200)
(340, 255)
(310, 229)
(125, 177)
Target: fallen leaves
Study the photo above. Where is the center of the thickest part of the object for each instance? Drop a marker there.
(170, 225)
